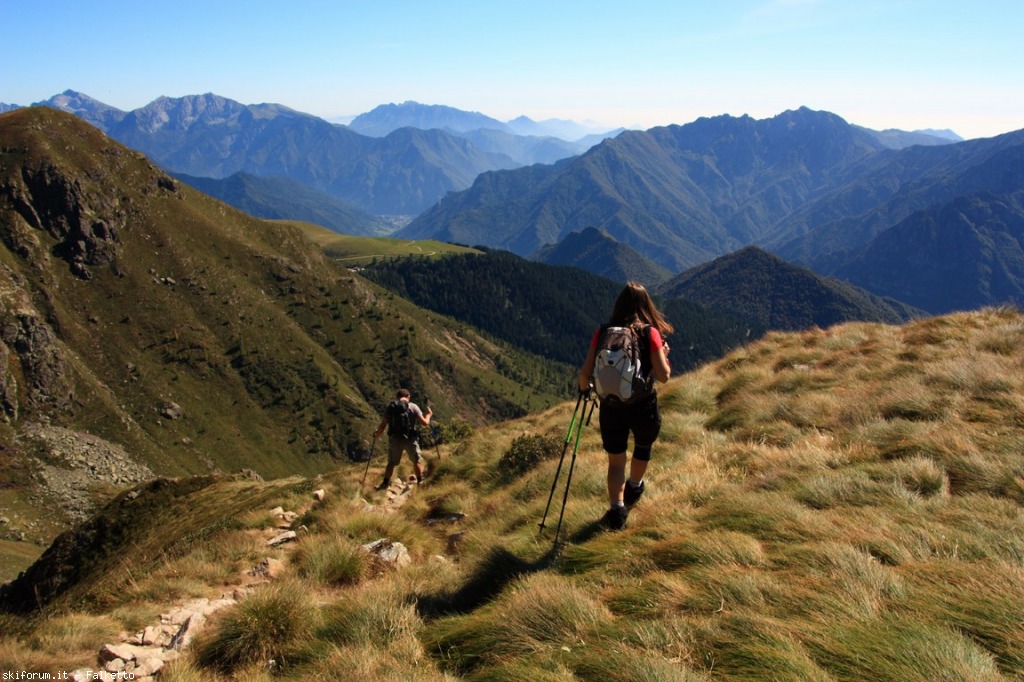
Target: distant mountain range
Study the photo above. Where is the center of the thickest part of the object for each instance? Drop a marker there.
(401, 173)
(805, 185)
(681, 195)
(387, 118)
(898, 139)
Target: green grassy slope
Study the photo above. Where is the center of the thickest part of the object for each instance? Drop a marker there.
(352, 251)
(197, 339)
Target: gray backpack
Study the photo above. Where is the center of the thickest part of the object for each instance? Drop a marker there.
(619, 377)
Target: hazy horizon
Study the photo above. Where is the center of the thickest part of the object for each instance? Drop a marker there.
(905, 64)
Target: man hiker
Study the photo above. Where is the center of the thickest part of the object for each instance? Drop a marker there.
(402, 418)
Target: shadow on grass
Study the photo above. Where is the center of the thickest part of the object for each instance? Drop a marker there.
(490, 577)
(587, 532)
(494, 573)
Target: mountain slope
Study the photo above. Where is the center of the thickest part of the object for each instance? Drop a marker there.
(679, 194)
(887, 188)
(841, 504)
(764, 288)
(597, 252)
(140, 312)
(962, 255)
(548, 310)
(284, 199)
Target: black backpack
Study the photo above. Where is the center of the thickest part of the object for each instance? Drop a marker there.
(401, 420)
(619, 376)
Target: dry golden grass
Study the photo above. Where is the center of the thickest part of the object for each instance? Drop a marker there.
(841, 504)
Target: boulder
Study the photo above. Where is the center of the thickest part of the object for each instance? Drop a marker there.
(388, 553)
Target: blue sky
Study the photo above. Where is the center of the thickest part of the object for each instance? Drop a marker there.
(905, 64)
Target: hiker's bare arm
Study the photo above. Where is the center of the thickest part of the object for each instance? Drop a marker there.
(587, 369)
(425, 418)
(659, 363)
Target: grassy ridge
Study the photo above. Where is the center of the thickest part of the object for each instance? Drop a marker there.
(353, 251)
(828, 505)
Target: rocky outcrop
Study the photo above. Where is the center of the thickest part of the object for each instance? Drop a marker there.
(86, 235)
(388, 554)
(33, 355)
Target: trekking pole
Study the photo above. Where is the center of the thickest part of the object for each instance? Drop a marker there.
(565, 447)
(368, 460)
(572, 463)
(434, 434)
(433, 431)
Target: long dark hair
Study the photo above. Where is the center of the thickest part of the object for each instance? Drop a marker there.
(634, 307)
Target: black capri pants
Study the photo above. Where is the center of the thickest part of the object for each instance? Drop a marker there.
(643, 420)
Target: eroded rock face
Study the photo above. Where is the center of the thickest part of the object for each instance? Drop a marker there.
(42, 367)
(86, 234)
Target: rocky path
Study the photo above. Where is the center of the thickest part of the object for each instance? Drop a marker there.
(145, 653)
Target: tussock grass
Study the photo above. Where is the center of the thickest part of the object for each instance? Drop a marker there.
(746, 646)
(848, 488)
(375, 616)
(631, 666)
(401, 662)
(52, 645)
(363, 526)
(707, 548)
(539, 615)
(982, 600)
(72, 632)
(840, 504)
(456, 498)
(766, 516)
(331, 561)
(15, 654)
(271, 624)
(184, 670)
(916, 475)
(670, 636)
(864, 651)
(728, 588)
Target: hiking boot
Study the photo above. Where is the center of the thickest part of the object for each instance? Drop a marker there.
(631, 494)
(615, 518)
(384, 485)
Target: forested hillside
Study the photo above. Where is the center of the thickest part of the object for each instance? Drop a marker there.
(548, 310)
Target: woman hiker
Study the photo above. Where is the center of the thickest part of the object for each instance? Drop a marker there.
(634, 308)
